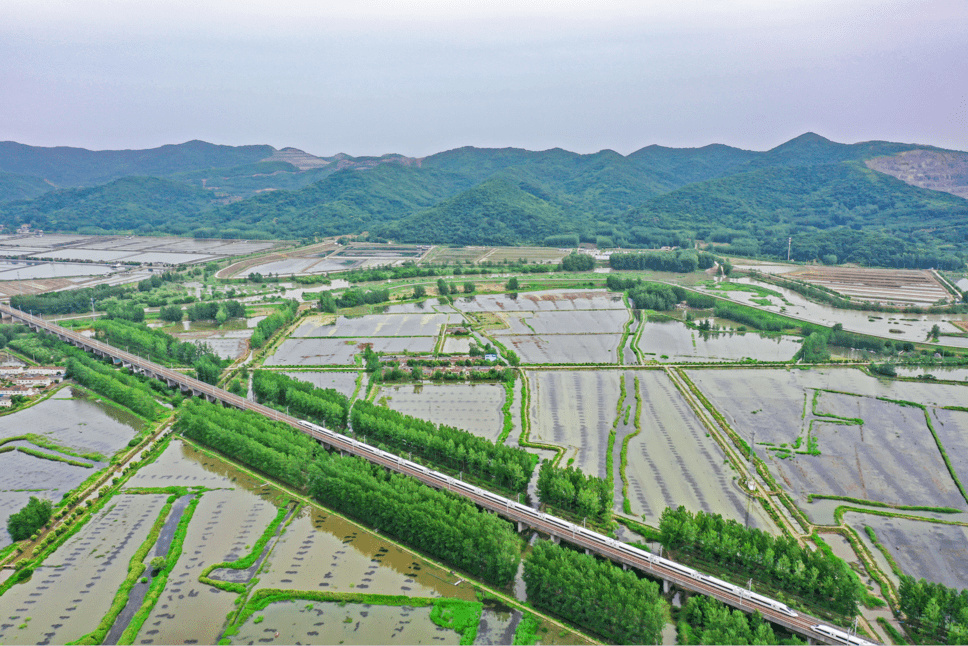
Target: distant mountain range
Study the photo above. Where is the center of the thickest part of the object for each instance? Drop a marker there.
(878, 203)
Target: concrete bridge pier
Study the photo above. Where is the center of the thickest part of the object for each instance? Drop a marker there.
(666, 586)
(521, 526)
(555, 540)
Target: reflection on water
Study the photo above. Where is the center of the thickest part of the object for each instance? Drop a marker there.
(674, 341)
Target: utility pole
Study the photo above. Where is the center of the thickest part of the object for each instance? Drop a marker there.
(789, 247)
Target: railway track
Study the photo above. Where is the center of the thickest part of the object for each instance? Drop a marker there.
(682, 576)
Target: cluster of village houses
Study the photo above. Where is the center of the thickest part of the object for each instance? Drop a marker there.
(27, 381)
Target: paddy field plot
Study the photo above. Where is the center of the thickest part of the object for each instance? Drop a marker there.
(575, 410)
(673, 461)
(72, 418)
(674, 341)
(315, 352)
(75, 586)
(316, 622)
(322, 551)
(182, 465)
(891, 457)
(322, 352)
(933, 551)
(548, 300)
(225, 522)
(415, 324)
(564, 322)
(951, 426)
(341, 382)
(23, 476)
(472, 407)
(565, 348)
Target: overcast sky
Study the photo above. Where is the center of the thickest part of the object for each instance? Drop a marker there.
(415, 77)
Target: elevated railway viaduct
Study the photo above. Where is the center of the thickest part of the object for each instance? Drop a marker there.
(669, 572)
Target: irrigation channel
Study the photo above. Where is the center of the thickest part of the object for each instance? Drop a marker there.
(669, 571)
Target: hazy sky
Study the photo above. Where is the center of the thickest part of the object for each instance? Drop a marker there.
(420, 76)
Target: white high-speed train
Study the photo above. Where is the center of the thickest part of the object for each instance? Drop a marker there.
(566, 526)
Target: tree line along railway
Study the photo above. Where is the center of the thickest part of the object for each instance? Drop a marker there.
(670, 572)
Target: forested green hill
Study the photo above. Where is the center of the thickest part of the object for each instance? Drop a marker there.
(137, 204)
(840, 209)
(21, 187)
(66, 167)
(812, 189)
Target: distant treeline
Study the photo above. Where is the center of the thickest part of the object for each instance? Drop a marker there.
(681, 261)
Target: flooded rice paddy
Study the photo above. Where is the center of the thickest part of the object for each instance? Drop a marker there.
(342, 382)
(868, 448)
(471, 407)
(575, 410)
(932, 551)
(315, 622)
(67, 596)
(414, 324)
(673, 461)
(675, 342)
(565, 348)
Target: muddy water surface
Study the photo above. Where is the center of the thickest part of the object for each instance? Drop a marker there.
(302, 622)
(322, 551)
(67, 596)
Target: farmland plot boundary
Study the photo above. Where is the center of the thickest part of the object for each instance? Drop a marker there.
(623, 461)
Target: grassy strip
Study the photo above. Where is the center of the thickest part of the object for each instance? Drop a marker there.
(246, 561)
(456, 614)
(159, 582)
(54, 458)
(626, 504)
(136, 568)
(875, 503)
(526, 633)
(625, 332)
(892, 632)
(610, 451)
(842, 509)
(887, 589)
(506, 412)
(45, 442)
(944, 454)
(638, 337)
(871, 534)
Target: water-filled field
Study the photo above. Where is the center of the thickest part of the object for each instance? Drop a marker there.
(302, 622)
(674, 341)
(416, 324)
(673, 461)
(868, 448)
(342, 382)
(67, 595)
(471, 407)
(550, 300)
(932, 551)
(575, 410)
(565, 348)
